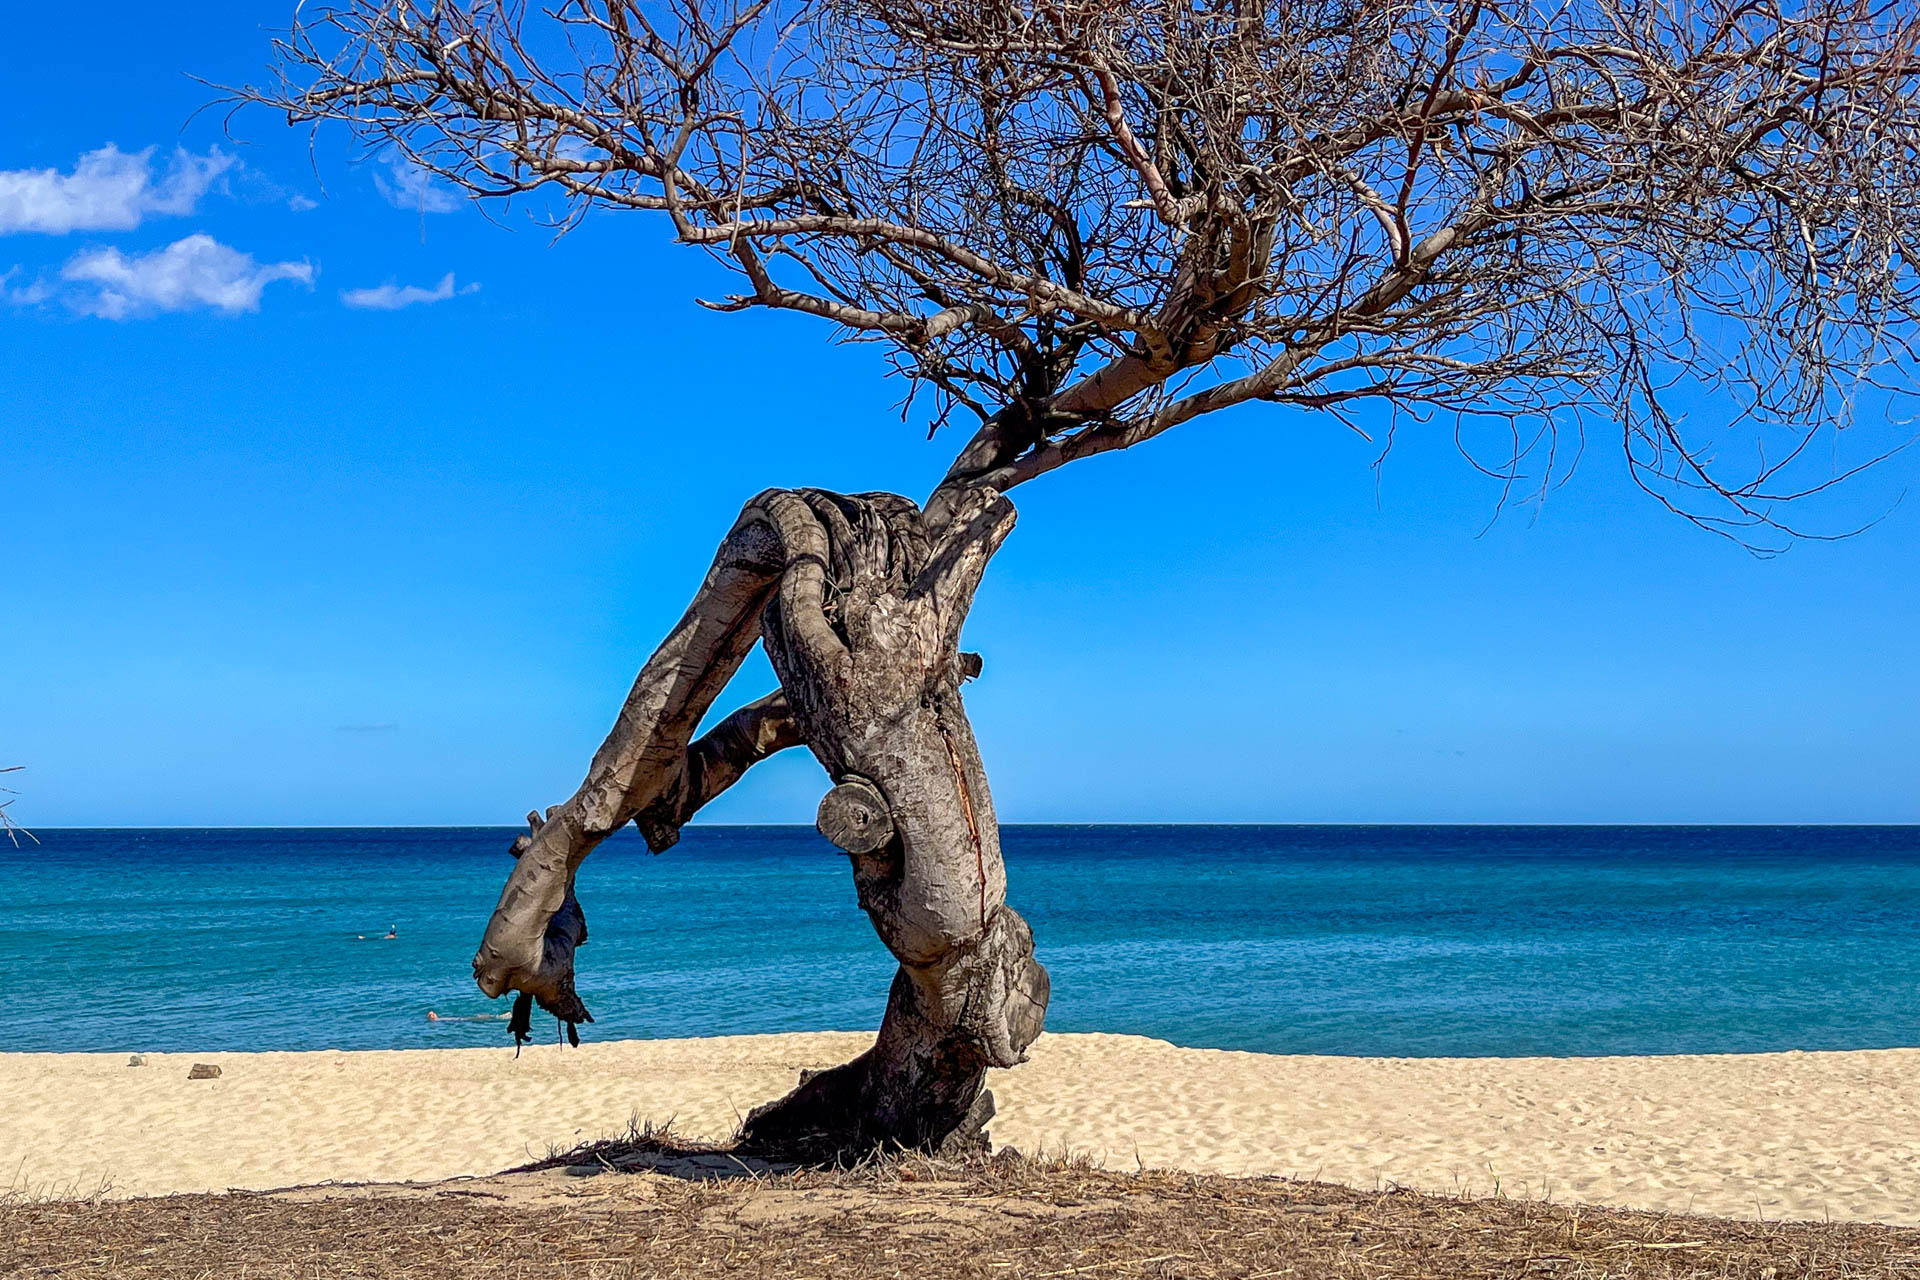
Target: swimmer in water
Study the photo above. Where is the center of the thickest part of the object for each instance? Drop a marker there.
(472, 1017)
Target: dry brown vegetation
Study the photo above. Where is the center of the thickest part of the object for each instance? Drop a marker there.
(984, 1218)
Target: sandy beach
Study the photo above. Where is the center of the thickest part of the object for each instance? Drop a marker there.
(1778, 1136)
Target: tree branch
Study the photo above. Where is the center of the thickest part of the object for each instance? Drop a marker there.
(717, 760)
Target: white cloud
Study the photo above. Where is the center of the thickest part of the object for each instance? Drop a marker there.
(392, 297)
(108, 190)
(198, 271)
(407, 186)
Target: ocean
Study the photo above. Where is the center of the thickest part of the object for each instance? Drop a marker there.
(1389, 940)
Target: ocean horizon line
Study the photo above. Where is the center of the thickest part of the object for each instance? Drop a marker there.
(1716, 825)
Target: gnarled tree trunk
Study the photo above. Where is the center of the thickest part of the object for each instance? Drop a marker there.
(859, 601)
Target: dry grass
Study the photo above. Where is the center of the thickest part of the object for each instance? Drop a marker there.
(1048, 1220)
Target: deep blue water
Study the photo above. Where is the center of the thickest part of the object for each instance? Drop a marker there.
(1343, 940)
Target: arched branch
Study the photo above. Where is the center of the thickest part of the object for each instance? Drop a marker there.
(645, 766)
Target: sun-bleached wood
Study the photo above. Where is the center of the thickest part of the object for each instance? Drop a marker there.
(859, 601)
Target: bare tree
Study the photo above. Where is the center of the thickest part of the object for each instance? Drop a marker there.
(1076, 224)
(12, 829)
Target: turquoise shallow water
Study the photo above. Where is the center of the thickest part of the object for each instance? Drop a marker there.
(1347, 940)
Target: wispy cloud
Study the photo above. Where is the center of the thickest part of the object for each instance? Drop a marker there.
(392, 297)
(258, 188)
(108, 190)
(405, 185)
(198, 271)
(27, 294)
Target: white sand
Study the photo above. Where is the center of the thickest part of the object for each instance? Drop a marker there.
(1789, 1135)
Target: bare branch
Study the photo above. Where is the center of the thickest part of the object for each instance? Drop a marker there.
(13, 829)
(1087, 222)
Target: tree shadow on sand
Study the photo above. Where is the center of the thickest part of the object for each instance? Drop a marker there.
(646, 1149)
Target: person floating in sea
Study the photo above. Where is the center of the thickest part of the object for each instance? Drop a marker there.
(393, 931)
(469, 1017)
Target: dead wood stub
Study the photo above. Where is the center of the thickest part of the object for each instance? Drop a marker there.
(854, 816)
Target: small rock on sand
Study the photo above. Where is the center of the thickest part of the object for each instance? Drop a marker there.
(203, 1071)
(137, 1060)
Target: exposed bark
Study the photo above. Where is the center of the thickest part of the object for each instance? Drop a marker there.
(859, 601)
(872, 672)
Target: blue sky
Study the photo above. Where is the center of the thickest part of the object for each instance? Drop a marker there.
(277, 553)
